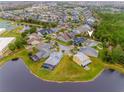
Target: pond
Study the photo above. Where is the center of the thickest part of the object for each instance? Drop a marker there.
(14, 76)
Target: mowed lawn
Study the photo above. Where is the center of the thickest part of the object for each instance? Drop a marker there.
(67, 70)
(12, 33)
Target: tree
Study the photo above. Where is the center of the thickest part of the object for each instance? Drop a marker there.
(118, 55)
(12, 46)
(20, 42)
(32, 30)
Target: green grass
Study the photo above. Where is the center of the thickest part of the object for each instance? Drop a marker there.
(67, 70)
(64, 43)
(13, 33)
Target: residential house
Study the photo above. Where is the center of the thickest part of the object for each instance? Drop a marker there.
(45, 46)
(46, 31)
(53, 60)
(84, 28)
(90, 21)
(65, 36)
(34, 39)
(82, 60)
(39, 55)
(91, 43)
(77, 41)
(89, 51)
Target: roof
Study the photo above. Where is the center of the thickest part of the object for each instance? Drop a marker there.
(5, 41)
(89, 51)
(84, 28)
(54, 58)
(79, 40)
(45, 46)
(46, 31)
(82, 58)
(41, 53)
(90, 21)
(64, 36)
(91, 43)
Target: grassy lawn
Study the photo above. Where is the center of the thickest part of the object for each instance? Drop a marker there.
(64, 43)
(13, 33)
(67, 70)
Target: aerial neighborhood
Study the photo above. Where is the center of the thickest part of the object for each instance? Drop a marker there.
(63, 31)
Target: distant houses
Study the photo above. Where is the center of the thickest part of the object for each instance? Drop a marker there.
(53, 60)
(82, 60)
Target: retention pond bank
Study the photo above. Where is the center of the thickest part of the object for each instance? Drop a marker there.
(14, 76)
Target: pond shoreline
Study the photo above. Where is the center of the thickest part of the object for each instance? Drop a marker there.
(64, 81)
(106, 67)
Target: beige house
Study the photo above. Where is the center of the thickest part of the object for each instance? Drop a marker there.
(34, 39)
(81, 59)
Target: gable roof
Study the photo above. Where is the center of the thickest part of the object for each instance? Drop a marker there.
(82, 58)
(41, 53)
(79, 40)
(84, 28)
(89, 51)
(54, 58)
(46, 31)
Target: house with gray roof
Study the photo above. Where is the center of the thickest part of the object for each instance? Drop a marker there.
(39, 55)
(84, 28)
(90, 21)
(44, 52)
(53, 60)
(89, 51)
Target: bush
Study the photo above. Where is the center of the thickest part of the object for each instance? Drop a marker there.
(12, 46)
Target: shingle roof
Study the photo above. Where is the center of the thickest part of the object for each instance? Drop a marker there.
(82, 58)
(78, 40)
(54, 58)
(41, 53)
(89, 51)
(46, 31)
